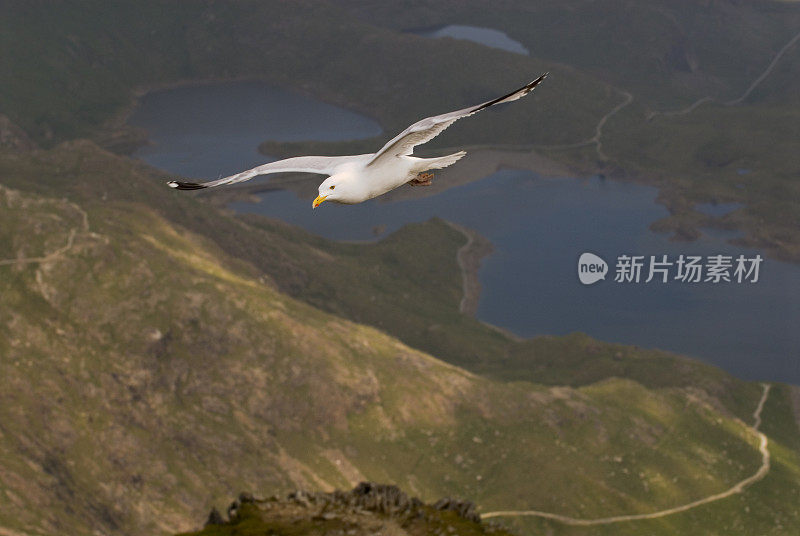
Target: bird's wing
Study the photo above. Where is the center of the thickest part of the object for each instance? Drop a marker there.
(425, 130)
(324, 165)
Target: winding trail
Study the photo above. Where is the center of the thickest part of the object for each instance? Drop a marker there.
(743, 96)
(739, 487)
(596, 140)
(766, 72)
(598, 130)
(57, 254)
(682, 111)
(60, 252)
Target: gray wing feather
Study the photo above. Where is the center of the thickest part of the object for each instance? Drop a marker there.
(426, 129)
(324, 165)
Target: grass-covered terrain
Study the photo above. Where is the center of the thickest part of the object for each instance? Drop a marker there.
(387, 285)
(159, 355)
(747, 513)
(155, 367)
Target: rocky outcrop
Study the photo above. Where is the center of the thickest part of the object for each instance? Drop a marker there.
(465, 509)
(362, 509)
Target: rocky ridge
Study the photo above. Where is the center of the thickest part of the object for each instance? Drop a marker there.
(365, 509)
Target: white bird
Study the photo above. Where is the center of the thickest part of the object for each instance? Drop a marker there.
(354, 179)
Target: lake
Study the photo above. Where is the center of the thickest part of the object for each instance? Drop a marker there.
(483, 36)
(209, 130)
(539, 228)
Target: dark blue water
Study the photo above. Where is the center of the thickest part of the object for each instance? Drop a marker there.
(214, 130)
(539, 228)
(483, 36)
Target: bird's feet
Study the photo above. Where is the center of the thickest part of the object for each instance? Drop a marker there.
(423, 179)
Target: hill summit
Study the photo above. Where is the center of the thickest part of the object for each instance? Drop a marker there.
(369, 508)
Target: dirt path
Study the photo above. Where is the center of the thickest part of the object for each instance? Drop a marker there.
(682, 111)
(596, 140)
(737, 488)
(744, 95)
(59, 253)
(598, 132)
(766, 72)
(598, 135)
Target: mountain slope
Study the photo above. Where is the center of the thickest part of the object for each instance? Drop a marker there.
(158, 355)
(148, 375)
(408, 285)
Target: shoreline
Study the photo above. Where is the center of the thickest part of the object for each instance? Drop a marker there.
(469, 258)
(117, 136)
(116, 128)
(684, 223)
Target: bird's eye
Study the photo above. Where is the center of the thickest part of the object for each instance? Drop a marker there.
(332, 187)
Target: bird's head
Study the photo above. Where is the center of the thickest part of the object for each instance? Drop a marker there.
(337, 188)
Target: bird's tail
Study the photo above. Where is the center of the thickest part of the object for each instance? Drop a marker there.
(443, 161)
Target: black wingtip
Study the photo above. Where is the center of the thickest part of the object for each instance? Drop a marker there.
(536, 82)
(179, 185)
(527, 88)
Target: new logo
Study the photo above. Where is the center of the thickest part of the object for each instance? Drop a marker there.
(591, 268)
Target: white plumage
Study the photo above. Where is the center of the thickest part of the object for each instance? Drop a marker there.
(354, 179)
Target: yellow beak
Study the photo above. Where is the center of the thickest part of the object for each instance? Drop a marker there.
(318, 201)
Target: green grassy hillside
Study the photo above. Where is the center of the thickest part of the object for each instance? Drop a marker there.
(148, 374)
(745, 514)
(408, 285)
(159, 355)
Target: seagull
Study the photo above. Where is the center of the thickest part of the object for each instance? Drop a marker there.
(357, 178)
